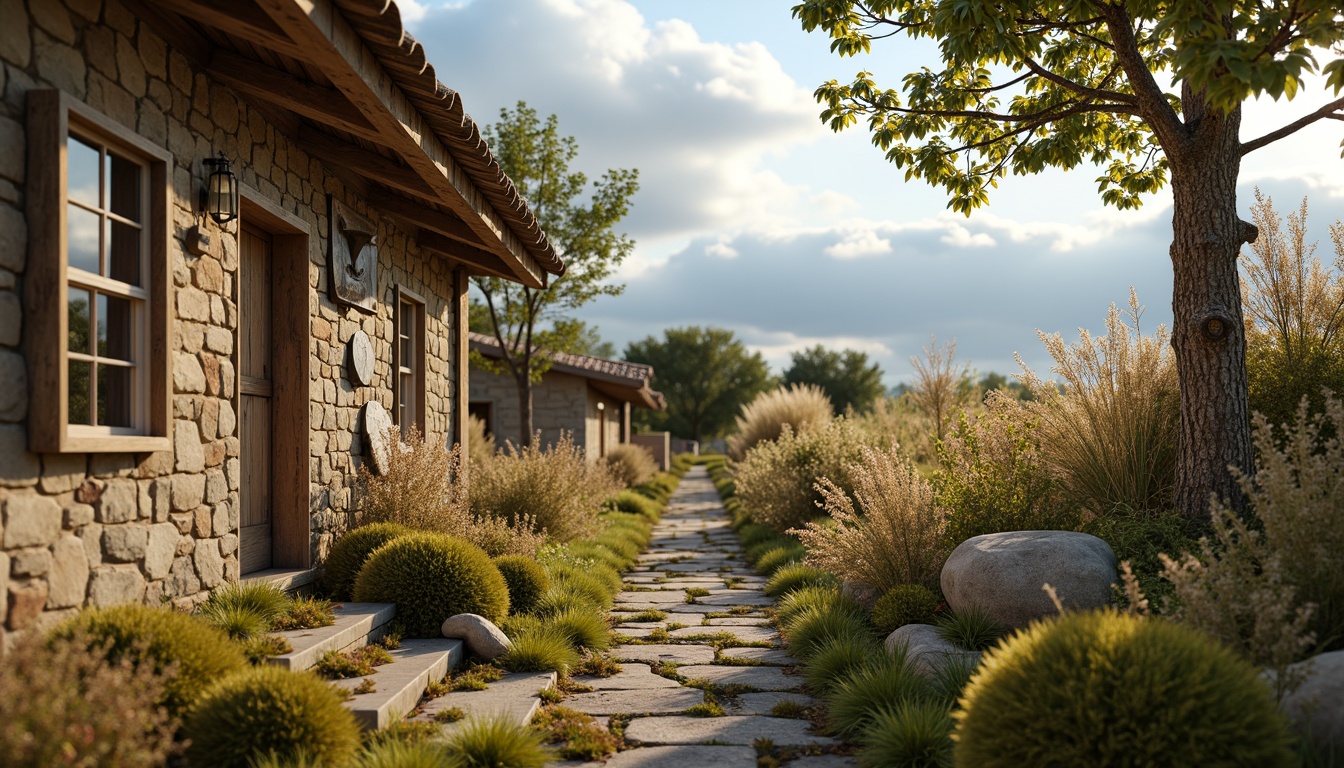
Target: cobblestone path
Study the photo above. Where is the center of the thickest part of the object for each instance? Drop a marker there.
(714, 645)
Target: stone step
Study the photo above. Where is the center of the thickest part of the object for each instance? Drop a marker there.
(516, 695)
(356, 624)
(399, 685)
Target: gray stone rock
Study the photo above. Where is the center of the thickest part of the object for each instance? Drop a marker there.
(1002, 574)
(69, 577)
(684, 757)
(676, 654)
(13, 386)
(731, 730)
(823, 761)
(209, 564)
(760, 678)
(187, 446)
(482, 637)
(18, 467)
(30, 520)
(1316, 707)
(160, 549)
(119, 502)
(125, 543)
(656, 701)
(926, 652)
(116, 584)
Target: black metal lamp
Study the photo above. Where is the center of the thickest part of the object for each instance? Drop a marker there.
(221, 190)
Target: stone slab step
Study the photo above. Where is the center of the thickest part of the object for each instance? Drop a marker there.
(356, 624)
(514, 695)
(400, 685)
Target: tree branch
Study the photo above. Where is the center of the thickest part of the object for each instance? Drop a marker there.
(1333, 111)
(1151, 100)
(1076, 87)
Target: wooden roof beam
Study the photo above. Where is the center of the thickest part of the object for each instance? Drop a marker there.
(476, 260)
(302, 97)
(240, 19)
(370, 165)
(423, 216)
(338, 50)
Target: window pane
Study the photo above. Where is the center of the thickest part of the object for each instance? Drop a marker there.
(83, 182)
(78, 392)
(407, 360)
(123, 257)
(77, 311)
(82, 239)
(114, 396)
(115, 328)
(124, 187)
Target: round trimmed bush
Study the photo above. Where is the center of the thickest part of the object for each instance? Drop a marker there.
(431, 576)
(350, 552)
(269, 709)
(1104, 688)
(526, 579)
(904, 604)
(160, 638)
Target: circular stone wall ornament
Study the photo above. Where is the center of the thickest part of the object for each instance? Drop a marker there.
(378, 431)
(361, 359)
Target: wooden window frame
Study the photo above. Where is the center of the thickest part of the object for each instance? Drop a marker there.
(51, 116)
(405, 299)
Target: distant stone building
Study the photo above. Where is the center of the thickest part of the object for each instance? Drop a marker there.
(589, 398)
(186, 378)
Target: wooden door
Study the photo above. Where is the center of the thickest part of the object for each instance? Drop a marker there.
(256, 395)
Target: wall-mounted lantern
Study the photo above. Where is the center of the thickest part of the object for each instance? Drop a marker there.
(221, 190)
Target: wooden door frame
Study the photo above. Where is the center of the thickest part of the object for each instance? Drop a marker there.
(291, 521)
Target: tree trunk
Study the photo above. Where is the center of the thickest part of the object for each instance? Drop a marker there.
(525, 408)
(1207, 334)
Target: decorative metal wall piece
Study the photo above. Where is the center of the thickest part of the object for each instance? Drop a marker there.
(354, 258)
(361, 359)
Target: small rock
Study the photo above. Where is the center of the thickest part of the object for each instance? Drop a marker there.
(1002, 574)
(1316, 707)
(482, 637)
(926, 651)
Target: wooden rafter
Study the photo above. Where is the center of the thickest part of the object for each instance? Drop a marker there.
(423, 216)
(337, 49)
(476, 260)
(302, 97)
(370, 165)
(242, 20)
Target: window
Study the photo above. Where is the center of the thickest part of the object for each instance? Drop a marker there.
(99, 292)
(410, 361)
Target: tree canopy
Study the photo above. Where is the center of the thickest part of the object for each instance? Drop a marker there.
(706, 376)
(1148, 91)
(579, 220)
(847, 377)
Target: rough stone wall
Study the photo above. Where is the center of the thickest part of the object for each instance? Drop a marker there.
(559, 404)
(95, 529)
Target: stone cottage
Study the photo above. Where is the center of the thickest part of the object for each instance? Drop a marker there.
(235, 237)
(589, 398)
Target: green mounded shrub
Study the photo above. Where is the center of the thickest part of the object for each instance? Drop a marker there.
(916, 734)
(658, 488)
(904, 604)
(971, 629)
(585, 628)
(885, 682)
(160, 638)
(796, 576)
(430, 577)
(496, 741)
(542, 649)
(835, 658)
(777, 479)
(681, 464)
(778, 557)
(265, 710)
(350, 552)
(1104, 688)
(594, 580)
(752, 534)
(809, 629)
(1142, 537)
(592, 551)
(526, 580)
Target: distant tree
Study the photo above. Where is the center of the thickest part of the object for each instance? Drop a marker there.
(706, 375)
(1150, 93)
(581, 223)
(847, 377)
(997, 381)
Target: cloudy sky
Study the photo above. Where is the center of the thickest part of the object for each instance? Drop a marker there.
(753, 216)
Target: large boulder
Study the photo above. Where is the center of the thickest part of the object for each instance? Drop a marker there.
(1316, 707)
(482, 637)
(926, 651)
(1003, 574)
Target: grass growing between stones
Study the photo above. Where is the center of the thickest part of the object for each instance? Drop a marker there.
(543, 649)
(579, 736)
(338, 665)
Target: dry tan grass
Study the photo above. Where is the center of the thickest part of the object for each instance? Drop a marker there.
(555, 488)
(940, 384)
(776, 481)
(630, 464)
(798, 406)
(480, 446)
(1109, 428)
(893, 536)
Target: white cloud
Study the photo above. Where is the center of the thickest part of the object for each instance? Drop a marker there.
(721, 250)
(857, 244)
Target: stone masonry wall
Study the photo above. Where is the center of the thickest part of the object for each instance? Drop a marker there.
(96, 529)
(558, 405)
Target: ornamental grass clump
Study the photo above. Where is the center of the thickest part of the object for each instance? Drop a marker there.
(540, 648)
(265, 710)
(798, 407)
(793, 576)
(630, 464)
(1104, 688)
(526, 579)
(776, 481)
(886, 682)
(63, 703)
(1109, 432)
(554, 489)
(496, 741)
(187, 651)
(431, 576)
(914, 734)
(837, 657)
(894, 535)
(636, 503)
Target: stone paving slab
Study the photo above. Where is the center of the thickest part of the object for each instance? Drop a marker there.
(745, 634)
(739, 621)
(684, 757)
(760, 678)
(772, 656)
(655, 596)
(640, 701)
(677, 654)
(632, 677)
(821, 761)
(762, 703)
(731, 730)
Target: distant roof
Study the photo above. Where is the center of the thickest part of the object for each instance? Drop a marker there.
(622, 380)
